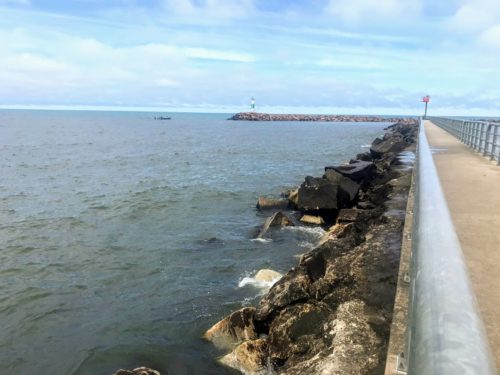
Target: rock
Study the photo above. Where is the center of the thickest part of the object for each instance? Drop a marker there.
(233, 329)
(348, 185)
(297, 331)
(392, 143)
(354, 347)
(270, 203)
(267, 275)
(310, 219)
(359, 171)
(250, 358)
(278, 219)
(256, 116)
(364, 156)
(137, 371)
(291, 288)
(321, 194)
(293, 197)
(347, 215)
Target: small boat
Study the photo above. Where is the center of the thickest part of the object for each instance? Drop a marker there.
(162, 118)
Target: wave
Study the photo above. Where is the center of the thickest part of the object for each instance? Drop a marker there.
(264, 285)
(262, 240)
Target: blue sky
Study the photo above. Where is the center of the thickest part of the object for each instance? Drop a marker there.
(317, 56)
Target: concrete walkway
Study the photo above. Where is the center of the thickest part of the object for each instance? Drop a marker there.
(471, 184)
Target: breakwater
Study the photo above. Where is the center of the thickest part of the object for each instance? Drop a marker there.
(332, 311)
(256, 116)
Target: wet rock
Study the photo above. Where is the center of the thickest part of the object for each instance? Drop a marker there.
(250, 358)
(278, 219)
(267, 275)
(137, 371)
(347, 215)
(289, 289)
(310, 219)
(272, 204)
(354, 347)
(233, 329)
(359, 171)
(297, 331)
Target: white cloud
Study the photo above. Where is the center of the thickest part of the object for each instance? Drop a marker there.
(210, 9)
(373, 10)
(203, 53)
(474, 16)
(491, 37)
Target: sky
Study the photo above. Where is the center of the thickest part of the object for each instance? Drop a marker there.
(316, 56)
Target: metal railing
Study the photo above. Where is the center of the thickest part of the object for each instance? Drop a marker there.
(481, 136)
(445, 331)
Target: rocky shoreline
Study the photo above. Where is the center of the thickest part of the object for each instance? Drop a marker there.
(331, 314)
(256, 116)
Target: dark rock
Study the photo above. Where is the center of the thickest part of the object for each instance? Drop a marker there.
(365, 156)
(233, 329)
(347, 215)
(278, 219)
(318, 194)
(392, 143)
(270, 204)
(348, 185)
(360, 171)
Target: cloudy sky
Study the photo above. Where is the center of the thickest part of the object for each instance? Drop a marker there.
(338, 56)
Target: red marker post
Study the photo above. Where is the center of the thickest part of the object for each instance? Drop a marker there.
(426, 99)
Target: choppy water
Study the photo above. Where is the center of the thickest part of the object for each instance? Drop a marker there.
(103, 222)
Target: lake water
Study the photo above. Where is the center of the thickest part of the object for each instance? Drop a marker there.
(104, 221)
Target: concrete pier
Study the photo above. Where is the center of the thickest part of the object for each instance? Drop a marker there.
(471, 184)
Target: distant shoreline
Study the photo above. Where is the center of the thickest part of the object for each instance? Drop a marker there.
(256, 116)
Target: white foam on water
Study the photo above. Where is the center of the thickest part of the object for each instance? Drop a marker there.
(366, 146)
(314, 231)
(263, 286)
(262, 240)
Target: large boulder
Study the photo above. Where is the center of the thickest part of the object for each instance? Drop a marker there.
(359, 171)
(278, 219)
(354, 346)
(289, 289)
(267, 275)
(390, 143)
(297, 331)
(321, 194)
(233, 329)
(348, 185)
(250, 358)
(272, 204)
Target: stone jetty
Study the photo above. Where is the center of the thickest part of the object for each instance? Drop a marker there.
(256, 116)
(331, 313)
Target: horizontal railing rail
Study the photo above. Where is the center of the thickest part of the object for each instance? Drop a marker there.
(445, 330)
(481, 136)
